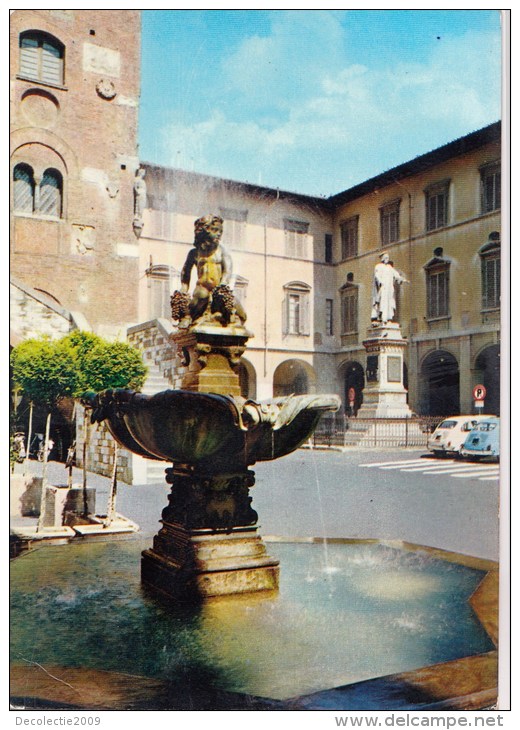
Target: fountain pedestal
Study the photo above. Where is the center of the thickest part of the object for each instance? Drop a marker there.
(211, 355)
(208, 544)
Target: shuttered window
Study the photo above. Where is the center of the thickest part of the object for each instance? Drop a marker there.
(234, 231)
(490, 270)
(45, 199)
(41, 58)
(329, 316)
(389, 220)
(23, 189)
(349, 237)
(491, 188)
(50, 193)
(436, 200)
(160, 287)
(296, 314)
(438, 292)
(491, 282)
(349, 310)
(296, 238)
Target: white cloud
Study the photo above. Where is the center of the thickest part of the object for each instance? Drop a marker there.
(317, 107)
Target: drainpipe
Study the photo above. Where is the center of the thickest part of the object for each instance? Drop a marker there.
(410, 274)
(410, 207)
(273, 202)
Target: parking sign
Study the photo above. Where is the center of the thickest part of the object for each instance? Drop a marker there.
(479, 392)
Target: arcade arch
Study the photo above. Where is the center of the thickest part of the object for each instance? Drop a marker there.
(487, 372)
(440, 384)
(294, 377)
(352, 377)
(247, 378)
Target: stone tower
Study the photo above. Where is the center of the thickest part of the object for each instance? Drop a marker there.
(74, 112)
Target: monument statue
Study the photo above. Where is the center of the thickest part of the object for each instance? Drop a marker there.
(383, 290)
(212, 300)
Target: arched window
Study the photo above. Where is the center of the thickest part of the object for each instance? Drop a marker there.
(41, 57)
(23, 188)
(44, 199)
(51, 188)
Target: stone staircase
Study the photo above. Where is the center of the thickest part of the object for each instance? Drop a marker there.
(155, 382)
(356, 433)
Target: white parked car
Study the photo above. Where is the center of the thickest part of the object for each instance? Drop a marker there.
(449, 436)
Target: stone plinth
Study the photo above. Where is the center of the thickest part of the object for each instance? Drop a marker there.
(208, 544)
(384, 395)
(211, 356)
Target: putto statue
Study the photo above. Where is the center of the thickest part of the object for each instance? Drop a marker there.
(212, 301)
(383, 290)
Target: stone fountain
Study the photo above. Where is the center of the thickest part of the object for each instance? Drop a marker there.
(209, 544)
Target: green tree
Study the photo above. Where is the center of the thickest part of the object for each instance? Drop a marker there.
(44, 370)
(101, 364)
(112, 365)
(49, 370)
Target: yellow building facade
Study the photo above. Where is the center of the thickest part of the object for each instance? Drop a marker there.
(303, 269)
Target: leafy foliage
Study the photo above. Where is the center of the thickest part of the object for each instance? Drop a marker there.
(44, 370)
(112, 365)
(49, 370)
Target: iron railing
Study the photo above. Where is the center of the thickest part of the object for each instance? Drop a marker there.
(338, 429)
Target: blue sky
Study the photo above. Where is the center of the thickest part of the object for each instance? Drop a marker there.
(313, 101)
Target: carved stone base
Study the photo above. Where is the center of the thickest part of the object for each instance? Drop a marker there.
(195, 564)
(385, 395)
(211, 356)
(208, 544)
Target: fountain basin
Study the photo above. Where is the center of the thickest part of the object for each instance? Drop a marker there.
(375, 627)
(212, 431)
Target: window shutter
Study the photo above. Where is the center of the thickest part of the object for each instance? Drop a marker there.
(50, 194)
(285, 315)
(305, 324)
(29, 57)
(23, 195)
(51, 64)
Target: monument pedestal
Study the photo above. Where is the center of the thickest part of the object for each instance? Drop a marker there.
(384, 395)
(208, 544)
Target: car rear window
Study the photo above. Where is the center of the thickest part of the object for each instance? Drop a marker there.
(447, 424)
(487, 426)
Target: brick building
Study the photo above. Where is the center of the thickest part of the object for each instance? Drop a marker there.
(74, 110)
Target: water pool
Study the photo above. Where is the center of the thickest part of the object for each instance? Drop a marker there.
(345, 613)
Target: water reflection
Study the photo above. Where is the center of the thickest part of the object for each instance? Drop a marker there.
(364, 610)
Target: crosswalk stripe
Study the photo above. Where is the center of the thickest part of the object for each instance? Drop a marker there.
(454, 466)
(391, 463)
(489, 479)
(448, 467)
(472, 474)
